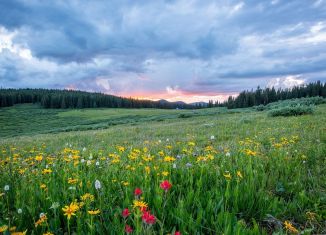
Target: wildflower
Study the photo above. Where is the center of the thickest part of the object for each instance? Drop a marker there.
(169, 159)
(188, 165)
(7, 187)
(97, 163)
(70, 210)
(38, 158)
(72, 181)
(19, 233)
(227, 175)
(19, 211)
(289, 227)
(55, 205)
(174, 166)
(212, 137)
(239, 174)
(82, 160)
(72, 188)
(165, 173)
(165, 185)
(48, 233)
(46, 171)
(177, 233)
(148, 218)
(41, 220)
(138, 192)
(125, 183)
(125, 213)
(3, 228)
(228, 154)
(139, 204)
(128, 229)
(97, 185)
(94, 212)
(311, 215)
(87, 197)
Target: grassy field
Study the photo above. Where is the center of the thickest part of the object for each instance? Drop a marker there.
(223, 172)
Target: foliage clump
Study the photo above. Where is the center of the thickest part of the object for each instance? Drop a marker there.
(291, 111)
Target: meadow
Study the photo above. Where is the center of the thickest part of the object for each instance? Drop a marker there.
(150, 171)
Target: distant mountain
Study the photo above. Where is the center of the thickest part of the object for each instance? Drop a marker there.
(201, 103)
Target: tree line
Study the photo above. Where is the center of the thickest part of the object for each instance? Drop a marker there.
(268, 95)
(61, 99)
(52, 98)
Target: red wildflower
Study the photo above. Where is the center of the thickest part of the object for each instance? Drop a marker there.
(165, 185)
(125, 213)
(138, 192)
(148, 218)
(143, 209)
(128, 229)
(177, 233)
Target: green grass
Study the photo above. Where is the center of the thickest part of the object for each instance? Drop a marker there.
(29, 119)
(281, 160)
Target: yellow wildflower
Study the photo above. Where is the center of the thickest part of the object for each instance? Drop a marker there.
(169, 159)
(87, 197)
(239, 174)
(38, 158)
(289, 227)
(94, 212)
(139, 204)
(72, 181)
(46, 171)
(3, 228)
(165, 173)
(311, 215)
(19, 233)
(227, 175)
(48, 233)
(70, 210)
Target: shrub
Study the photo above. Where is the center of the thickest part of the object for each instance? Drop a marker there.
(291, 111)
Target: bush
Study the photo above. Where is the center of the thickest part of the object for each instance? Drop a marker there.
(260, 107)
(291, 111)
(291, 103)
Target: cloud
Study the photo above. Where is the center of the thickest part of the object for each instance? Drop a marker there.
(171, 49)
(286, 82)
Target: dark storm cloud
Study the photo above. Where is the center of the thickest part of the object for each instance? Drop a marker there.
(199, 46)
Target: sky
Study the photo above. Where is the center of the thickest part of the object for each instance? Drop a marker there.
(176, 50)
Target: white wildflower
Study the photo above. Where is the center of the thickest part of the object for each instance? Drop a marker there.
(6, 188)
(97, 185)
